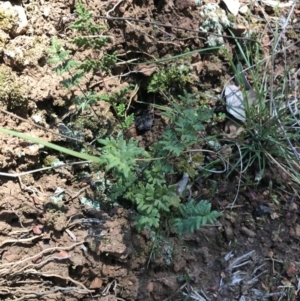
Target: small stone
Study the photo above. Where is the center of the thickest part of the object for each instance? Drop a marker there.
(96, 283)
(150, 287)
(274, 215)
(63, 254)
(291, 270)
(266, 193)
(46, 11)
(38, 229)
(294, 207)
(23, 22)
(184, 4)
(248, 232)
(17, 13)
(262, 210)
(243, 9)
(228, 232)
(297, 230)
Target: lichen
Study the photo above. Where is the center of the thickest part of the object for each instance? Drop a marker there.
(215, 21)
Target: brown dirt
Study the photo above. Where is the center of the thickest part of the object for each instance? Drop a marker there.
(56, 244)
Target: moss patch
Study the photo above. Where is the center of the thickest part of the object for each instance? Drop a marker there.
(11, 91)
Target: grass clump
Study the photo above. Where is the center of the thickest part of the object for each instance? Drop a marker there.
(270, 132)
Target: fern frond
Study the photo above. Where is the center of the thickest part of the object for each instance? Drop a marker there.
(151, 221)
(120, 154)
(193, 216)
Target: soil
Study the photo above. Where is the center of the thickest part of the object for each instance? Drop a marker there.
(58, 243)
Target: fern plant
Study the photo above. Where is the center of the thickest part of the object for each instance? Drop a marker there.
(153, 202)
(186, 121)
(134, 174)
(194, 215)
(120, 154)
(88, 36)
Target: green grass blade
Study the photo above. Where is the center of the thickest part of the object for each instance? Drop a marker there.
(175, 57)
(51, 145)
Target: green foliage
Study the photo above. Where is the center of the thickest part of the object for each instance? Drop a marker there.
(194, 215)
(118, 99)
(128, 119)
(187, 120)
(88, 36)
(120, 154)
(175, 77)
(84, 101)
(153, 201)
(269, 131)
(144, 182)
(134, 174)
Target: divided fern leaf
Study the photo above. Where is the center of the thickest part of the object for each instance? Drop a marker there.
(193, 216)
(120, 154)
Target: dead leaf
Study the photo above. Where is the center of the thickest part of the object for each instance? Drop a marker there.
(233, 130)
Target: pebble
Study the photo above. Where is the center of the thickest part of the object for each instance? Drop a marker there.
(248, 232)
(150, 287)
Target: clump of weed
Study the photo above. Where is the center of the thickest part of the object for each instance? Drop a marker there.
(134, 174)
(175, 78)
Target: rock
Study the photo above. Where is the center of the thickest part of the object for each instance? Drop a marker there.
(262, 210)
(23, 22)
(184, 4)
(4, 38)
(24, 51)
(144, 121)
(244, 9)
